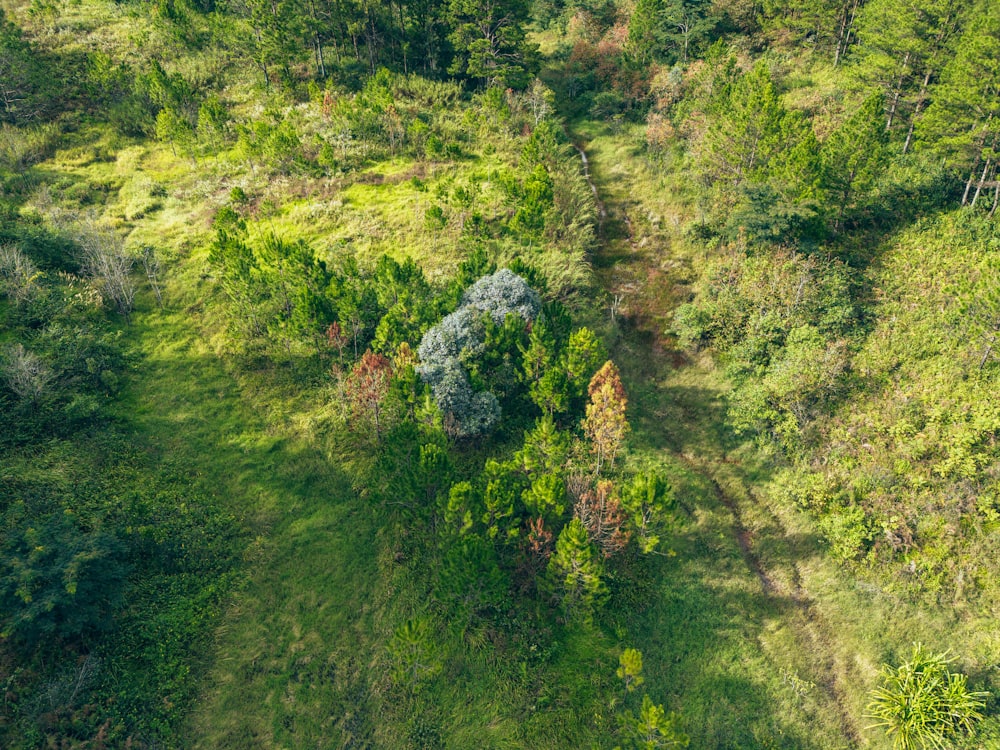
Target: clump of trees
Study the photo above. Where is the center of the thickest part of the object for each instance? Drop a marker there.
(558, 510)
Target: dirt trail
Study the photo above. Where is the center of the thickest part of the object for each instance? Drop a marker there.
(633, 277)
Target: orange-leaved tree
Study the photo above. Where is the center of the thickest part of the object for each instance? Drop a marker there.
(605, 424)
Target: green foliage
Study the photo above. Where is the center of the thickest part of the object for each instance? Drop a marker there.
(796, 384)
(854, 156)
(501, 491)
(961, 121)
(545, 449)
(26, 89)
(57, 579)
(534, 203)
(456, 346)
(821, 23)
(630, 669)
(903, 47)
(412, 654)
(748, 131)
(471, 581)
(922, 704)
(653, 728)
(647, 499)
(848, 532)
(773, 189)
(546, 497)
(489, 39)
(669, 29)
(574, 572)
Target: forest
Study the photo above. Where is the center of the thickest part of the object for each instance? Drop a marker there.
(499, 374)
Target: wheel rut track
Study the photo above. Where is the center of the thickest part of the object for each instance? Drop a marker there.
(811, 629)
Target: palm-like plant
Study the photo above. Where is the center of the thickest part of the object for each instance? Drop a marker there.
(922, 705)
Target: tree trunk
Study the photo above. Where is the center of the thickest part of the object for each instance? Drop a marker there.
(988, 352)
(846, 28)
(982, 179)
(986, 169)
(921, 98)
(402, 38)
(975, 164)
(372, 34)
(897, 92)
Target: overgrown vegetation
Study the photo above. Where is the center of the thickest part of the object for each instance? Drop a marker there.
(319, 426)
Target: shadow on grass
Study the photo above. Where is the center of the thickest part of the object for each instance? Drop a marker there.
(288, 666)
(707, 631)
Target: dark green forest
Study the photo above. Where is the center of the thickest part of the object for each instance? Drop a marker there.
(499, 374)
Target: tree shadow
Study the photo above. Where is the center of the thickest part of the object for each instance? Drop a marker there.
(707, 635)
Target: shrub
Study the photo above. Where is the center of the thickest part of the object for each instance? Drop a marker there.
(921, 704)
(57, 579)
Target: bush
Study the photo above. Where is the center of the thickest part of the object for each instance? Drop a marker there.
(57, 579)
(922, 704)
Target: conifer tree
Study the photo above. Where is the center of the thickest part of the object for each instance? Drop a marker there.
(367, 387)
(963, 122)
(489, 40)
(605, 424)
(646, 499)
(575, 572)
(904, 46)
(746, 131)
(630, 669)
(854, 156)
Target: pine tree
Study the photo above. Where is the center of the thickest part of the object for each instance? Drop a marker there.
(575, 572)
(584, 354)
(685, 23)
(489, 41)
(963, 122)
(653, 728)
(413, 654)
(630, 669)
(646, 499)
(746, 131)
(600, 512)
(854, 156)
(545, 449)
(367, 386)
(502, 487)
(546, 497)
(904, 45)
(605, 424)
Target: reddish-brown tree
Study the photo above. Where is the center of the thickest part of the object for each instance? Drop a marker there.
(601, 514)
(539, 539)
(335, 337)
(367, 387)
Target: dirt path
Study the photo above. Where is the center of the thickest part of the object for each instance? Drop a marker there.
(645, 294)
